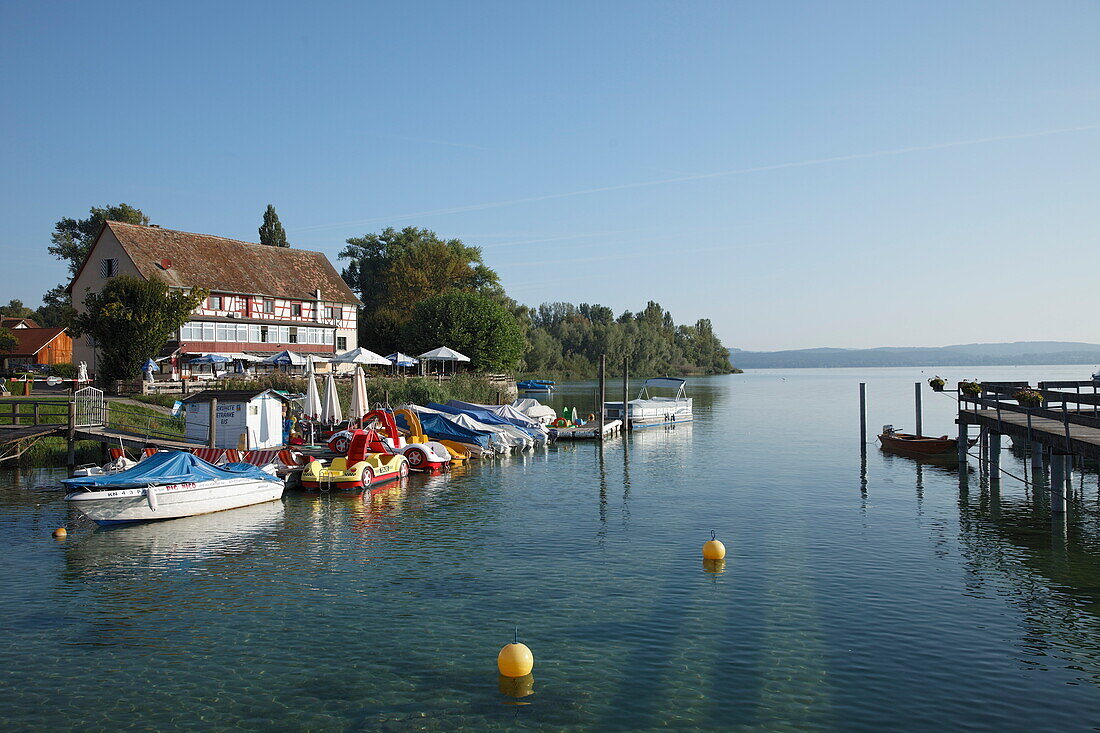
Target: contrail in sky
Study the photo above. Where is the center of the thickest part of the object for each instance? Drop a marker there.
(705, 176)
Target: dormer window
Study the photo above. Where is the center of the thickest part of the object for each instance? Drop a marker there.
(214, 302)
(296, 309)
(269, 305)
(108, 267)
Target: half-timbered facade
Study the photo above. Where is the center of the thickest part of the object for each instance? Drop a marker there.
(263, 299)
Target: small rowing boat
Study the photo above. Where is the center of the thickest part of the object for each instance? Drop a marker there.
(922, 444)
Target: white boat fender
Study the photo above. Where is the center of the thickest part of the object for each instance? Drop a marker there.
(151, 497)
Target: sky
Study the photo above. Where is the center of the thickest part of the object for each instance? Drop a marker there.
(849, 174)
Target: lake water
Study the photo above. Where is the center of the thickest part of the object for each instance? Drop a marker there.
(852, 598)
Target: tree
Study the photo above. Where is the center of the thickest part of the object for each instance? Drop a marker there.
(131, 319)
(73, 238)
(56, 309)
(271, 231)
(16, 309)
(394, 270)
(471, 323)
(8, 341)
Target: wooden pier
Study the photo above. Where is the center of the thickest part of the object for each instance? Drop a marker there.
(1071, 428)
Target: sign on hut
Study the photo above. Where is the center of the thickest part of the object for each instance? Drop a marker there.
(247, 419)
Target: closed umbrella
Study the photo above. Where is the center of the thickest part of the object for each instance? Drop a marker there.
(359, 405)
(313, 399)
(330, 405)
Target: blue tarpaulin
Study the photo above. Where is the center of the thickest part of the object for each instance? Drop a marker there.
(168, 467)
(440, 428)
(504, 412)
(480, 414)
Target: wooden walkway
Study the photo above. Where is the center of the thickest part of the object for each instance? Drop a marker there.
(1084, 440)
(15, 433)
(133, 441)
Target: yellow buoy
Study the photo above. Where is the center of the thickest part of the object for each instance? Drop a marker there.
(60, 533)
(713, 549)
(515, 659)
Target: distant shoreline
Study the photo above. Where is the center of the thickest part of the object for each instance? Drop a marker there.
(1028, 353)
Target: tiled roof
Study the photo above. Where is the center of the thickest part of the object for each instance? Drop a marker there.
(224, 265)
(32, 340)
(12, 322)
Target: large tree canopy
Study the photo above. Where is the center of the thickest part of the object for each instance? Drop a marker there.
(131, 319)
(16, 309)
(271, 231)
(472, 324)
(392, 271)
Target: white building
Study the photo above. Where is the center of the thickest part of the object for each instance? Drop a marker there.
(263, 299)
(246, 419)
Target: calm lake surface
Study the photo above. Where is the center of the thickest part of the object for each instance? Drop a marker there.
(884, 597)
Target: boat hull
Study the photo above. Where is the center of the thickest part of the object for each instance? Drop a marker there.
(906, 443)
(171, 501)
(349, 484)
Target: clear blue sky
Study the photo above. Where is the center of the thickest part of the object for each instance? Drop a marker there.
(876, 165)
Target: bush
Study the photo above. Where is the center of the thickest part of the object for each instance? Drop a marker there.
(65, 370)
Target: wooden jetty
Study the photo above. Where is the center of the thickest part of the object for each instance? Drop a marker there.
(1064, 428)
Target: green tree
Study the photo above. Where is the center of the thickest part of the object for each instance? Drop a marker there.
(392, 271)
(16, 309)
(8, 342)
(131, 319)
(56, 309)
(473, 324)
(271, 231)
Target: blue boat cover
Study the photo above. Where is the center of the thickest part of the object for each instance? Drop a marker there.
(440, 428)
(480, 414)
(168, 467)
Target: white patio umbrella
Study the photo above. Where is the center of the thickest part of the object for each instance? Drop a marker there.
(330, 405)
(359, 405)
(313, 398)
(444, 354)
(359, 355)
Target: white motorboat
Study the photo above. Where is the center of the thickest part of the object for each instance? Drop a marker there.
(169, 485)
(652, 408)
(115, 465)
(535, 410)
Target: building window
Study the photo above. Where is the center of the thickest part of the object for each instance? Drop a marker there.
(296, 309)
(226, 332)
(214, 302)
(327, 336)
(293, 336)
(108, 267)
(331, 313)
(242, 333)
(341, 343)
(207, 331)
(254, 335)
(269, 305)
(263, 334)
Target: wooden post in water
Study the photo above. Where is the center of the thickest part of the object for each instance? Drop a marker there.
(213, 432)
(70, 453)
(920, 416)
(1057, 483)
(626, 395)
(863, 413)
(964, 436)
(602, 396)
(994, 456)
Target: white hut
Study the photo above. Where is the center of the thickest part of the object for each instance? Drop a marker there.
(248, 419)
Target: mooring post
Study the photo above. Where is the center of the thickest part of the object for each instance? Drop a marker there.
(964, 436)
(70, 453)
(863, 413)
(994, 456)
(626, 392)
(920, 416)
(1057, 484)
(602, 397)
(213, 433)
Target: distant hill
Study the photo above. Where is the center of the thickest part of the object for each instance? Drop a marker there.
(1019, 352)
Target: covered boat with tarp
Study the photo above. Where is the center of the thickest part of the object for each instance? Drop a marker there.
(441, 427)
(169, 485)
(488, 417)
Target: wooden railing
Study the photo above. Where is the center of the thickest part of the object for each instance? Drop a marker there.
(31, 412)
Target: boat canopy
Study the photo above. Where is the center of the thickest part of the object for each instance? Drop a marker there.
(441, 428)
(505, 412)
(168, 467)
(664, 383)
(480, 414)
